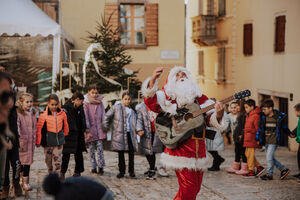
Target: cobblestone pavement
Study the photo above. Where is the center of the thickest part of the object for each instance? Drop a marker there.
(216, 185)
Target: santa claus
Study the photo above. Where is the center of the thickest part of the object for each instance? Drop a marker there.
(189, 157)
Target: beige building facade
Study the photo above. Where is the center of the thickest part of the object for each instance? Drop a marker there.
(209, 46)
(261, 52)
(152, 44)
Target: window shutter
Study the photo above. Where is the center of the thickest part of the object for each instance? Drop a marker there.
(221, 64)
(222, 7)
(201, 63)
(280, 34)
(112, 10)
(200, 7)
(210, 7)
(248, 49)
(151, 24)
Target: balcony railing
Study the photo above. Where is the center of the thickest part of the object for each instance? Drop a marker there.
(204, 31)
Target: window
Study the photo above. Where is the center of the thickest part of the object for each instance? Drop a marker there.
(248, 49)
(200, 7)
(222, 8)
(220, 69)
(210, 7)
(280, 34)
(137, 20)
(201, 63)
(132, 21)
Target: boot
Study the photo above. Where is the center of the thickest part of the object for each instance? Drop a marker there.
(26, 185)
(5, 192)
(17, 188)
(215, 166)
(243, 170)
(234, 168)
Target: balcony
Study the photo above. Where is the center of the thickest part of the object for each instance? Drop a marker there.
(204, 30)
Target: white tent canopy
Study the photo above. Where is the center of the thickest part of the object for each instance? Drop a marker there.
(24, 17)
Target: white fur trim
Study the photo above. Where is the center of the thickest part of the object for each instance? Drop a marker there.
(165, 105)
(147, 92)
(180, 162)
(222, 125)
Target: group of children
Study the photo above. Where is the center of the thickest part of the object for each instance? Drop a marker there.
(254, 127)
(80, 123)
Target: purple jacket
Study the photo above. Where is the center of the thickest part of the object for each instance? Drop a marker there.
(27, 133)
(94, 114)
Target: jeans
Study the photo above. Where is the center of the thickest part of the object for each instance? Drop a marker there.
(271, 161)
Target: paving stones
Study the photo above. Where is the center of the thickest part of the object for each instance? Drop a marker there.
(216, 185)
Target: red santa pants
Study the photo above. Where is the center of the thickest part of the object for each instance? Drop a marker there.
(189, 184)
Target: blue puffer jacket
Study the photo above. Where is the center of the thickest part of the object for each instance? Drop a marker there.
(281, 128)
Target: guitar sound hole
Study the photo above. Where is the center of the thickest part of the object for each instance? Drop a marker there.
(188, 116)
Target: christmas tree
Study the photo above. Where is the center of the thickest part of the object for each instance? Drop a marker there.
(111, 62)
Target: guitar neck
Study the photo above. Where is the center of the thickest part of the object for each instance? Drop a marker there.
(204, 110)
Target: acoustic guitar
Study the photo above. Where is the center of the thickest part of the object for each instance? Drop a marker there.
(172, 130)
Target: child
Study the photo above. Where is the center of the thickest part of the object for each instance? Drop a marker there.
(94, 113)
(27, 136)
(123, 120)
(238, 145)
(238, 137)
(250, 129)
(52, 127)
(297, 111)
(75, 140)
(150, 143)
(272, 126)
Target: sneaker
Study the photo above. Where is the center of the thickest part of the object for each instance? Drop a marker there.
(151, 175)
(146, 172)
(266, 177)
(132, 175)
(94, 171)
(163, 172)
(120, 175)
(284, 173)
(100, 171)
(259, 171)
(250, 174)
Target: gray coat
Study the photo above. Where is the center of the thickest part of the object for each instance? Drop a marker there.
(144, 124)
(217, 144)
(116, 117)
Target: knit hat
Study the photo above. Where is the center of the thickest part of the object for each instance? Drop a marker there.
(75, 188)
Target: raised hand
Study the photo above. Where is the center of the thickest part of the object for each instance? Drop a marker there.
(156, 74)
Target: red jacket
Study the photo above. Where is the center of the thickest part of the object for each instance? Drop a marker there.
(251, 127)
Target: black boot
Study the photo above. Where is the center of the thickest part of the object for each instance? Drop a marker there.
(215, 166)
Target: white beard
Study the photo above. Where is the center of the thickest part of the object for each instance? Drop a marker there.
(185, 92)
